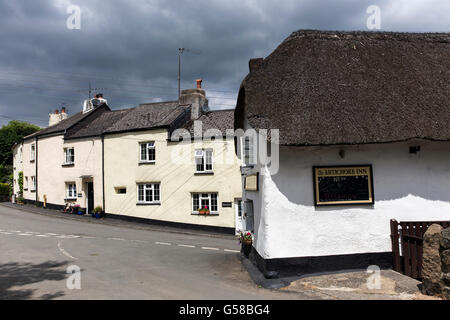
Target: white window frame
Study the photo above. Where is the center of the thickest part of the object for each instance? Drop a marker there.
(33, 183)
(149, 145)
(69, 159)
(71, 193)
(205, 196)
(201, 156)
(25, 187)
(33, 152)
(151, 187)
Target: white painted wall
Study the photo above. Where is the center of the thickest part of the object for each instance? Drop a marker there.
(53, 176)
(17, 166)
(407, 187)
(177, 180)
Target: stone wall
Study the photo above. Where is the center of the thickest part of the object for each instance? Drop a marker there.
(436, 262)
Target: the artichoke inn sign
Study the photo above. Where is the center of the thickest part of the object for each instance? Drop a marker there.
(343, 185)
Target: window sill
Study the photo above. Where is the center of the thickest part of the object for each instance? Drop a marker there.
(204, 173)
(205, 215)
(146, 162)
(68, 164)
(148, 203)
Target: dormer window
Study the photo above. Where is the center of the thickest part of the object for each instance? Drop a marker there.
(69, 156)
(147, 152)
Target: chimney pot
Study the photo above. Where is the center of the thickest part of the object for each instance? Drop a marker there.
(56, 111)
(63, 110)
(199, 83)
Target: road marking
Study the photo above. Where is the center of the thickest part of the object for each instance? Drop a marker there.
(88, 237)
(64, 252)
(52, 234)
(228, 250)
(15, 231)
(119, 239)
(208, 248)
(42, 235)
(25, 234)
(186, 246)
(3, 232)
(164, 243)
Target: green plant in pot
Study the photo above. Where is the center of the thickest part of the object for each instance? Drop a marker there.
(97, 212)
(204, 211)
(246, 240)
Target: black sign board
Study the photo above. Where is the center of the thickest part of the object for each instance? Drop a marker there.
(227, 205)
(343, 185)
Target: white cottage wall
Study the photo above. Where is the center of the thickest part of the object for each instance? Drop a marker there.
(407, 187)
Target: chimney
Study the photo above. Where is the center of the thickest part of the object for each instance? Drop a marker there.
(196, 98)
(63, 110)
(54, 118)
(255, 64)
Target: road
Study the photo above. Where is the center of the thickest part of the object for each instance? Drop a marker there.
(118, 262)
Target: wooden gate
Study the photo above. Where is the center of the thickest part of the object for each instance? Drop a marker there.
(407, 245)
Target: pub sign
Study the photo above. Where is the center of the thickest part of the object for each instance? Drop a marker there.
(347, 185)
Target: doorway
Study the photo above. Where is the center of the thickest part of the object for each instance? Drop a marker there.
(90, 197)
(239, 215)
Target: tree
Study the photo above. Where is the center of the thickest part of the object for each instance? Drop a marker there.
(11, 134)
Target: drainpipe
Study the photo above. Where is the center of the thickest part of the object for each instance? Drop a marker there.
(103, 171)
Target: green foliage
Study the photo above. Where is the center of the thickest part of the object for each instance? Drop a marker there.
(5, 189)
(11, 134)
(20, 183)
(98, 209)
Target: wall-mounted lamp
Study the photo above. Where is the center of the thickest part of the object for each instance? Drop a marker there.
(342, 153)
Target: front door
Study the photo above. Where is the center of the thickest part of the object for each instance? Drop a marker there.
(239, 219)
(90, 197)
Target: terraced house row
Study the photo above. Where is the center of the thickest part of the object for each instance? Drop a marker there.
(127, 162)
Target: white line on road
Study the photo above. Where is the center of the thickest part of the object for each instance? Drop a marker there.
(228, 250)
(15, 231)
(119, 239)
(52, 234)
(42, 235)
(3, 232)
(186, 246)
(25, 234)
(64, 252)
(164, 243)
(208, 248)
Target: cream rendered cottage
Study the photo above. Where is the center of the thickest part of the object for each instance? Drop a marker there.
(128, 162)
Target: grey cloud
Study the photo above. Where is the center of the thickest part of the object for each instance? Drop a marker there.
(131, 47)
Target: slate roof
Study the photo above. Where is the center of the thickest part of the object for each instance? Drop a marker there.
(150, 115)
(98, 125)
(329, 88)
(217, 119)
(65, 124)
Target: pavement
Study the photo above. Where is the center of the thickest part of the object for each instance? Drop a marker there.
(39, 248)
(118, 262)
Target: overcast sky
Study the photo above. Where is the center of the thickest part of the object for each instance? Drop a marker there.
(130, 48)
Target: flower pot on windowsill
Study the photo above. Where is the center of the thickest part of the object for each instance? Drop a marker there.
(204, 213)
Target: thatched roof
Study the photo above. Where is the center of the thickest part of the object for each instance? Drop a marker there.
(327, 88)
